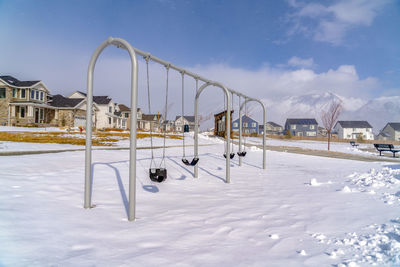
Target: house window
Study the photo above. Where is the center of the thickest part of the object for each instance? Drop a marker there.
(23, 93)
(109, 109)
(109, 120)
(14, 92)
(41, 96)
(245, 124)
(354, 129)
(293, 127)
(126, 115)
(253, 124)
(312, 127)
(22, 112)
(2, 92)
(32, 94)
(41, 111)
(123, 123)
(37, 95)
(235, 124)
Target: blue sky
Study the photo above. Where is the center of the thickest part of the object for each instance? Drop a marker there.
(268, 49)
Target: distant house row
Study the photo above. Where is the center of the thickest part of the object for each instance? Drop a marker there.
(29, 103)
(310, 128)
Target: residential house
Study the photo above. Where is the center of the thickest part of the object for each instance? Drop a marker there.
(271, 128)
(390, 132)
(151, 122)
(302, 127)
(169, 126)
(71, 112)
(105, 115)
(322, 132)
(354, 130)
(180, 121)
(24, 102)
(125, 115)
(248, 125)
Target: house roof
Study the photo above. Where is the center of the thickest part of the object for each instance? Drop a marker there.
(274, 124)
(123, 108)
(10, 80)
(245, 119)
(395, 125)
(384, 134)
(61, 101)
(302, 121)
(82, 93)
(188, 118)
(101, 100)
(354, 124)
(151, 117)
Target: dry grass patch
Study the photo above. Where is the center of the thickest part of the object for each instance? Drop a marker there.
(99, 138)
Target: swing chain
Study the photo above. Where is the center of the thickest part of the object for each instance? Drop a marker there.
(165, 114)
(149, 104)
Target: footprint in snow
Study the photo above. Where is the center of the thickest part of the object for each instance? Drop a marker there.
(302, 252)
(274, 236)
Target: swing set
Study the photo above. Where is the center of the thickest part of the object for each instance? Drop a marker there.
(158, 173)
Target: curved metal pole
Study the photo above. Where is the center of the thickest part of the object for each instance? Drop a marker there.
(120, 43)
(264, 132)
(228, 128)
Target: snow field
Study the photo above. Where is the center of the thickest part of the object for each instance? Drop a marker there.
(292, 214)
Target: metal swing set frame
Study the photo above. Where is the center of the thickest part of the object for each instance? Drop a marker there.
(121, 43)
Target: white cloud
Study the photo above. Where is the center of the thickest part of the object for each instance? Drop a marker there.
(331, 23)
(300, 62)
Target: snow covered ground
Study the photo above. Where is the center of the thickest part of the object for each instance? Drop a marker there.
(315, 145)
(300, 211)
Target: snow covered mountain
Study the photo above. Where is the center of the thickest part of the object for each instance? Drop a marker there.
(377, 111)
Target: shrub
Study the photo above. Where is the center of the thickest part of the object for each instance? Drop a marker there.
(288, 134)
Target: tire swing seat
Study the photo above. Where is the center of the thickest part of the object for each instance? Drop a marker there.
(158, 175)
(192, 163)
(231, 155)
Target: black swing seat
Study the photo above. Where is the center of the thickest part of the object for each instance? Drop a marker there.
(232, 155)
(158, 174)
(192, 163)
(242, 154)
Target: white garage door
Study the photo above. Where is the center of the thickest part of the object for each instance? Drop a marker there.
(79, 121)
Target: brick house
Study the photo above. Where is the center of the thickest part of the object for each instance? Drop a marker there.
(24, 102)
(71, 112)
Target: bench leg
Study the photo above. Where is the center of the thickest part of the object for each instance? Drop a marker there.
(380, 153)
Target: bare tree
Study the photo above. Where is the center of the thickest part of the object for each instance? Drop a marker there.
(330, 116)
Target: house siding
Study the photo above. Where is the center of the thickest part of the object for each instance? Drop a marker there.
(309, 130)
(351, 133)
(252, 125)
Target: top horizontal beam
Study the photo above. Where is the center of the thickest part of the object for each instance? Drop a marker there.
(115, 42)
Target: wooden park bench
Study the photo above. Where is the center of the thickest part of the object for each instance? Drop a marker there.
(386, 147)
(353, 144)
